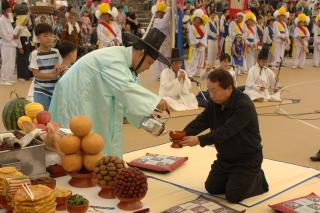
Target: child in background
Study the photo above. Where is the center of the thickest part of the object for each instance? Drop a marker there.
(238, 54)
(45, 65)
(24, 47)
(86, 25)
(68, 52)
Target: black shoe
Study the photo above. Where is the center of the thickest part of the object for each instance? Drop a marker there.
(316, 157)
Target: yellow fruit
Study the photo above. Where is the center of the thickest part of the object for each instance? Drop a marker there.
(80, 125)
(72, 163)
(35, 121)
(23, 119)
(92, 144)
(32, 109)
(90, 161)
(69, 144)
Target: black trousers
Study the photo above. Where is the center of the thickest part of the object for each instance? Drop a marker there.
(237, 180)
(23, 60)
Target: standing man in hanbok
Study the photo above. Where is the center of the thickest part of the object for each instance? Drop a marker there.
(162, 22)
(301, 38)
(213, 38)
(316, 42)
(251, 40)
(103, 86)
(268, 39)
(261, 84)
(281, 35)
(235, 27)
(223, 29)
(175, 86)
(108, 31)
(198, 42)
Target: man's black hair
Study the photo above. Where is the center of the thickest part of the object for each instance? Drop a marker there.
(66, 47)
(224, 78)
(224, 56)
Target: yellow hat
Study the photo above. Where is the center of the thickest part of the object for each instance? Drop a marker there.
(200, 14)
(161, 6)
(302, 17)
(105, 8)
(281, 11)
(250, 15)
(318, 17)
(21, 19)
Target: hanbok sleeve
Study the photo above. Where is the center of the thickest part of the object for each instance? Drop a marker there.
(251, 79)
(138, 102)
(186, 86)
(171, 87)
(204, 40)
(192, 38)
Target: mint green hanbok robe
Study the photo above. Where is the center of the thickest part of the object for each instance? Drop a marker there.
(101, 86)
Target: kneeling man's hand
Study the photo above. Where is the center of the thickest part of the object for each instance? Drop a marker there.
(190, 141)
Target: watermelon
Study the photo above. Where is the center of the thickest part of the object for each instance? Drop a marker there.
(12, 111)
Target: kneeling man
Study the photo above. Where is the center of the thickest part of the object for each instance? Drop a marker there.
(175, 86)
(233, 121)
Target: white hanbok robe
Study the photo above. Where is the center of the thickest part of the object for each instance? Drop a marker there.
(8, 49)
(267, 39)
(281, 33)
(234, 29)
(316, 45)
(300, 47)
(251, 40)
(213, 42)
(197, 59)
(261, 77)
(222, 31)
(105, 37)
(164, 26)
(177, 93)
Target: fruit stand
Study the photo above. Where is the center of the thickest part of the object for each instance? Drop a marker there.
(85, 179)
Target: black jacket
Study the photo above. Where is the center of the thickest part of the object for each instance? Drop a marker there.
(234, 128)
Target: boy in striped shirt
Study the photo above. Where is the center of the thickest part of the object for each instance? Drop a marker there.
(45, 64)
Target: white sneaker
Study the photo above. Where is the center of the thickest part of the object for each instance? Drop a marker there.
(294, 67)
(6, 83)
(12, 82)
(21, 79)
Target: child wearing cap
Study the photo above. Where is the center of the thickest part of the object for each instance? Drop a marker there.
(238, 54)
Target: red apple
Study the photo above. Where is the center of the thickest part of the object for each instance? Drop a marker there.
(42, 126)
(43, 117)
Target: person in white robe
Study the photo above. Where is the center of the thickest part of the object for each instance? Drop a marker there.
(251, 40)
(281, 35)
(175, 86)
(9, 43)
(235, 27)
(261, 84)
(301, 38)
(108, 31)
(316, 42)
(198, 43)
(222, 29)
(268, 39)
(213, 38)
(162, 22)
